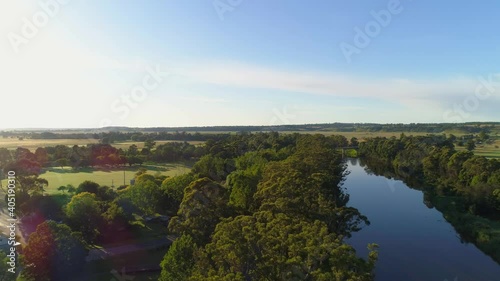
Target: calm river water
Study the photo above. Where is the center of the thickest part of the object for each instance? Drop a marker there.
(416, 242)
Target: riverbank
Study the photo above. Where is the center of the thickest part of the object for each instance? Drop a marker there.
(482, 232)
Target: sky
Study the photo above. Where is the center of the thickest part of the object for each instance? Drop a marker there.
(89, 64)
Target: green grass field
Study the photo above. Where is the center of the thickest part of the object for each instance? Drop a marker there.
(486, 150)
(31, 144)
(13, 143)
(57, 176)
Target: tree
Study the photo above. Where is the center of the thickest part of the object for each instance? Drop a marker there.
(132, 160)
(471, 145)
(179, 260)
(204, 203)
(5, 157)
(41, 156)
(269, 246)
(144, 178)
(174, 188)
(70, 188)
(61, 162)
(149, 144)
(483, 136)
(145, 195)
(354, 141)
(215, 168)
(106, 193)
(132, 150)
(84, 215)
(53, 252)
(141, 171)
(62, 188)
(88, 186)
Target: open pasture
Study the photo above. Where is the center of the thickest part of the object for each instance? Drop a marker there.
(33, 144)
(113, 176)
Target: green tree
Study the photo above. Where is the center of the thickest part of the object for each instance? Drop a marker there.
(61, 162)
(42, 156)
(70, 188)
(5, 157)
(483, 136)
(53, 252)
(215, 168)
(471, 145)
(88, 186)
(146, 196)
(132, 150)
(354, 141)
(243, 182)
(84, 214)
(204, 203)
(174, 186)
(269, 246)
(179, 260)
(149, 144)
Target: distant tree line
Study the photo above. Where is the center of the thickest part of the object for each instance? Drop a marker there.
(114, 134)
(99, 155)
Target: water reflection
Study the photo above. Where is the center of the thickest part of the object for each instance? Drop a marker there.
(416, 242)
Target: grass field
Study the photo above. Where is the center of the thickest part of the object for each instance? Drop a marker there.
(486, 150)
(13, 143)
(31, 144)
(57, 176)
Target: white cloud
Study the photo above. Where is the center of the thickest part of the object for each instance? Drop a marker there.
(403, 90)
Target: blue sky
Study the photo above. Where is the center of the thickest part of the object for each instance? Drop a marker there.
(255, 63)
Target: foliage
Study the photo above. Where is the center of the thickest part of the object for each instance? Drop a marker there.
(53, 252)
(178, 262)
(203, 205)
(269, 246)
(145, 196)
(88, 186)
(84, 215)
(281, 213)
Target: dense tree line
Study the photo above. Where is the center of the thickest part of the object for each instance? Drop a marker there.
(267, 207)
(98, 155)
(433, 160)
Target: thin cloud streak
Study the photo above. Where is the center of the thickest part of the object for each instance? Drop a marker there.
(402, 90)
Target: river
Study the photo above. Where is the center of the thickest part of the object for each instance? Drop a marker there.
(416, 242)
